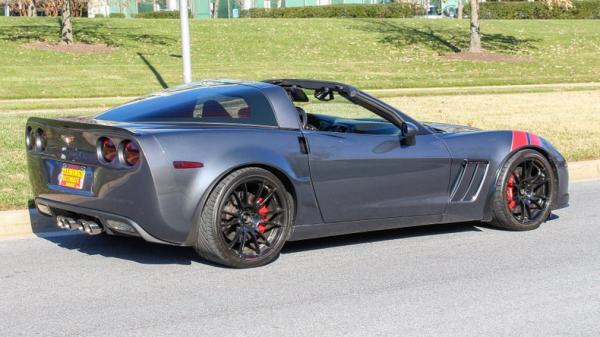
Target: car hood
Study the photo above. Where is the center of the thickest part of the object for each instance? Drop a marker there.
(450, 128)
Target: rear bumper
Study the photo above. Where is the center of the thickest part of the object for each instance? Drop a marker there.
(111, 224)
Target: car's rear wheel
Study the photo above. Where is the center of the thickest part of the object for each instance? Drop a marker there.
(246, 219)
(524, 192)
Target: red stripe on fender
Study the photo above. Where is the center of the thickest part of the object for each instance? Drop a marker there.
(519, 140)
(534, 140)
(187, 165)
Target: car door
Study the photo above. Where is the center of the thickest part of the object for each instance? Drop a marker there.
(369, 176)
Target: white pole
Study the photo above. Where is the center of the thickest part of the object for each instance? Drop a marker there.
(6, 8)
(185, 42)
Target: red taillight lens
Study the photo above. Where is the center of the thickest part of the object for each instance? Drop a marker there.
(108, 150)
(131, 153)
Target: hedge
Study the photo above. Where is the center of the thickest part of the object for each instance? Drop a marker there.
(161, 15)
(536, 10)
(117, 15)
(394, 10)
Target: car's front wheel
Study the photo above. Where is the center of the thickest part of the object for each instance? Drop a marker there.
(246, 219)
(524, 192)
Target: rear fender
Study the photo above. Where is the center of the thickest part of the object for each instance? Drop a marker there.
(183, 193)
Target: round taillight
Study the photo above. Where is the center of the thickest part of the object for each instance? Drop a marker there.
(108, 150)
(28, 141)
(131, 153)
(40, 140)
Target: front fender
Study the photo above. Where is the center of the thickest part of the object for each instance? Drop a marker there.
(493, 148)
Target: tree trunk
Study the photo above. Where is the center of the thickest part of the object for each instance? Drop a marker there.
(66, 30)
(475, 33)
(216, 9)
(31, 9)
(459, 10)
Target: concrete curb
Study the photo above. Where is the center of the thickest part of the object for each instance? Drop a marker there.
(25, 223)
(584, 170)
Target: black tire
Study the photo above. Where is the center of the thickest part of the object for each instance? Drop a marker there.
(229, 229)
(524, 201)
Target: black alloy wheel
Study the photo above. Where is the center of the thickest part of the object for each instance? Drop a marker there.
(251, 218)
(525, 191)
(246, 219)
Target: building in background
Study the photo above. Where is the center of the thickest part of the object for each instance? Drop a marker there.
(199, 9)
(202, 9)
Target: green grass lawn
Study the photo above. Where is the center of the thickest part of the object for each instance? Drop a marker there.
(370, 53)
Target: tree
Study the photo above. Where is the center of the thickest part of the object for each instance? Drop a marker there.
(215, 9)
(475, 46)
(66, 28)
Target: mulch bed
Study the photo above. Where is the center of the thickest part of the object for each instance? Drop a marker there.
(74, 48)
(485, 57)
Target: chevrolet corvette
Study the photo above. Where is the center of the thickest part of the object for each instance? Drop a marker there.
(237, 168)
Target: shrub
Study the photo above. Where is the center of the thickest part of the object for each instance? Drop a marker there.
(160, 15)
(117, 15)
(394, 10)
(536, 10)
(99, 15)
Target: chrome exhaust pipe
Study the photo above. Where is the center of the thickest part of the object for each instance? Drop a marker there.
(66, 223)
(90, 227)
(71, 224)
(86, 226)
(60, 221)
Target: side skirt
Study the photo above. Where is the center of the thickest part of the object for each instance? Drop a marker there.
(303, 232)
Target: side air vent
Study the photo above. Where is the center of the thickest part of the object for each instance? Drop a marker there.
(468, 183)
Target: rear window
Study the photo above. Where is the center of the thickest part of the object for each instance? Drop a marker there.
(223, 104)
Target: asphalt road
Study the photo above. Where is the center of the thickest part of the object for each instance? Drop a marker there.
(461, 279)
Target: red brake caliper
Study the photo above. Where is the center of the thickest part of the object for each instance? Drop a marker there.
(263, 216)
(510, 192)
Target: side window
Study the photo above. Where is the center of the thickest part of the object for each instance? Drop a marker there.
(240, 105)
(235, 104)
(338, 114)
(222, 106)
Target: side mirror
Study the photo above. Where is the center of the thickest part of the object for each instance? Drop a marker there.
(324, 94)
(409, 133)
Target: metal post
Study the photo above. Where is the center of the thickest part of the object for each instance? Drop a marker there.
(6, 8)
(185, 41)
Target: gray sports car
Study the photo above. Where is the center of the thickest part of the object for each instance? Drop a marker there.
(236, 169)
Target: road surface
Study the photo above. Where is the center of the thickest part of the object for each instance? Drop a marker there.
(461, 279)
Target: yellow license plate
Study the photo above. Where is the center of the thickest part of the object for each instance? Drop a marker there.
(72, 176)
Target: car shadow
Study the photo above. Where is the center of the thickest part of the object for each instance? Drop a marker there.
(125, 248)
(380, 236)
(140, 251)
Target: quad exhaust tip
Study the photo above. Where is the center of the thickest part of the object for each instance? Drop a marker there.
(85, 226)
